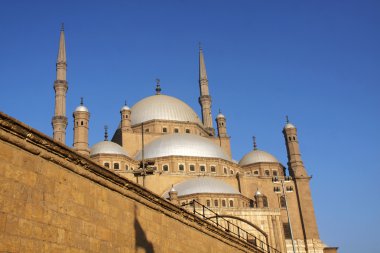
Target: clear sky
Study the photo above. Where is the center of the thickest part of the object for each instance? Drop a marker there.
(316, 61)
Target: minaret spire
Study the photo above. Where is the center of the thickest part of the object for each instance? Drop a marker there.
(59, 121)
(204, 98)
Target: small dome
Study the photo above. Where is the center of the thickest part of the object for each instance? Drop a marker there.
(125, 108)
(257, 156)
(203, 185)
(257, 193)
(289, 125)
(107, 147)
(81, 108)
(182, 145)
(220, 115)
(163, 107)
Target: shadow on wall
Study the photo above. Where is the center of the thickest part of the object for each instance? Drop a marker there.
(142, 244)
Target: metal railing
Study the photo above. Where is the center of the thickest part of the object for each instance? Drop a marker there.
(221, 222)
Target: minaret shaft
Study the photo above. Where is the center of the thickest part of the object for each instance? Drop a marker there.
(59, 121)
(205, 98)
(301, 179)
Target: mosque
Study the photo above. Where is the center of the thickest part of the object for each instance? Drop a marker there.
(162, 144)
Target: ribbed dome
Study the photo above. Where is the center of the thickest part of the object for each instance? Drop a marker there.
(182, 145)
(257, 156)
(162, 107)
(202, 185)
(107, 147)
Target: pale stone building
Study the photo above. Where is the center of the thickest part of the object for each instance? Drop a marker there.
(162, 144)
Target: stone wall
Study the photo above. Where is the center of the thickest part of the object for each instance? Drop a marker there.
(55, 200)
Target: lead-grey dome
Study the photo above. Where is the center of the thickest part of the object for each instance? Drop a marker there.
(182, 145)
(81, 108)
(289, 125)
(164, 108)
(257, 156)
(202, 185)
(107, 147)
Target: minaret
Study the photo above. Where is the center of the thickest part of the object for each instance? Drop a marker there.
(302, 185)
(81, 120)
(59, 121)
(205, 98)
(221, 124)
(295, 164)
(125, 113)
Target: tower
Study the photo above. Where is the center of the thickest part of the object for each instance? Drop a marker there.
(81, 120)
(302, 187)
(205, 98)
(59, 121)
(125, 113)
(221, 125)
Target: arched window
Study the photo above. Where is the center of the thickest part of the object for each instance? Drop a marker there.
(231, 172)
(176, 130)
(294, 138)
(81, 123)
(126, 167)
(116, 166)
(164, 130)
(231, 203)
(187, 131)
(181, 167)
(225, 170)
(208, 203)
(267, 173)
(223, 203)
(256, 172)
(265, 201)
(275, 173)
(202, 168)
(213, 169)
(216, 203)
(107, 165)
(282, 202)
(165, 167)
(192, 167)
(290, 138)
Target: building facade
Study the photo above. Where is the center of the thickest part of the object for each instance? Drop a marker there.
(162, 144)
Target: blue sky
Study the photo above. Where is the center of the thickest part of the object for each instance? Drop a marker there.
(316, 61)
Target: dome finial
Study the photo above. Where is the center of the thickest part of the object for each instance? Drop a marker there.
(254, 143)
(106, 133)
(158, 87)
(62, 26)
(125, 102)
(200, 45)
(81, 101)
(287, 119)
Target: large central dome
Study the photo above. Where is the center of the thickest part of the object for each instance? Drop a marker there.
(182, 145)
(202, 185)
(162, 107)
